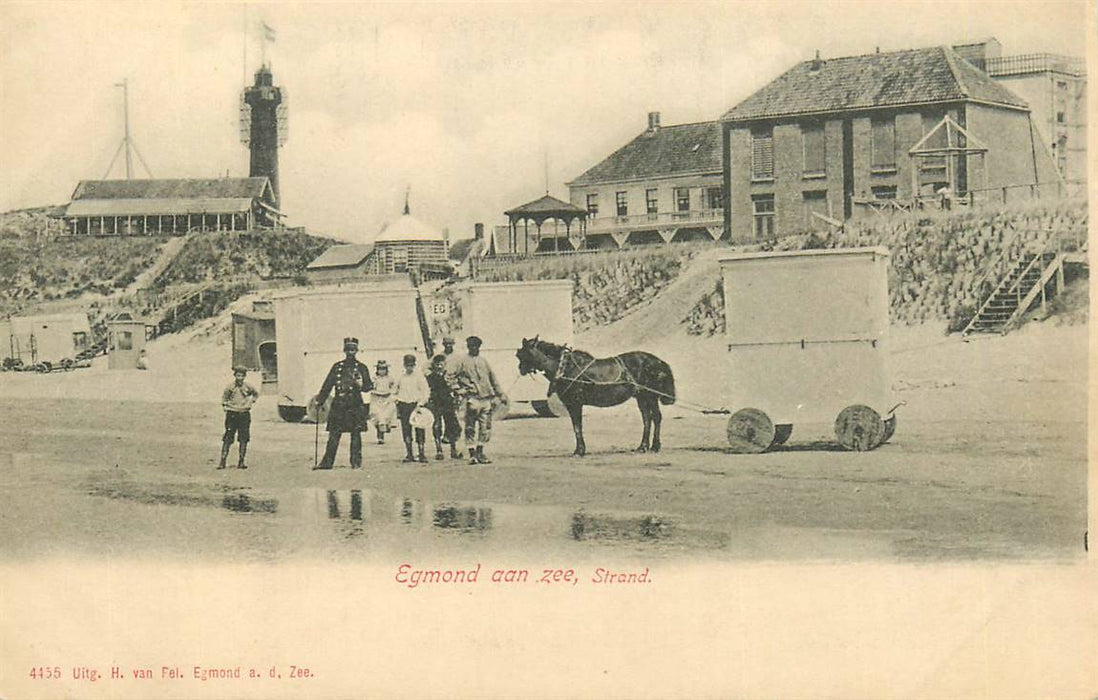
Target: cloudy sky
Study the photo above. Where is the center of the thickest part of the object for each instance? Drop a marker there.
(461, 102)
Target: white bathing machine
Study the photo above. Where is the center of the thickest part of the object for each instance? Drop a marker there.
(310, 327)
(807, 339)
(501, 314)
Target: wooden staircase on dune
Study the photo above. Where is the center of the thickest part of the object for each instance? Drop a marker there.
(1026, 282)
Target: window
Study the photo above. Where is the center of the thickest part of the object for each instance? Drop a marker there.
(400, 259)
(593, 204)
(714, 196)
(763, 207)
(80, 341)
(1059, 117)
(883, 146)
(884, 192)
(651, 201)
(125, 340)
(682, 199)
(762, 154)
(815, 149)
(621, 199)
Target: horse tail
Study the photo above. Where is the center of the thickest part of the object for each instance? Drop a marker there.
(665, 384)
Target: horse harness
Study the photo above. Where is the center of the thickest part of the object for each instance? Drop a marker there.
(624, 375)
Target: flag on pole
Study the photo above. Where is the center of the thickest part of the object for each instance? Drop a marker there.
(268, 33)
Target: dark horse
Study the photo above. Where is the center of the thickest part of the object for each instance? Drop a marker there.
(579, 379)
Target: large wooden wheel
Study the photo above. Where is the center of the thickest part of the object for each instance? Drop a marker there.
(543, 409)
(291, 414)
(556, 405)
(889, 428)
(859, 428)
(750, 431)
(315, 413)
(782, 431)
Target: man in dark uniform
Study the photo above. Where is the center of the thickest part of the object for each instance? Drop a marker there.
(349, 379)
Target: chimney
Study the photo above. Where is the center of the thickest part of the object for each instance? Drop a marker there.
(478, 231)
(446, 235)
(653, 121)
(816, 62)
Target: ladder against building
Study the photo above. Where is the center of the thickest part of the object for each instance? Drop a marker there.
(1037, 276)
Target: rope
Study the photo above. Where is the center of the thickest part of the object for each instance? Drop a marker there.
(623, 371)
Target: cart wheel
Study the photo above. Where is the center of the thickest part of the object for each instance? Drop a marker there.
(889, 428)
(782, 431)
(750, 431)
(543, 409)
(315, 414)
(859, 428)
(291, 414)
(556, 405)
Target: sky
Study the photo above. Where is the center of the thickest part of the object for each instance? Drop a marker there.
(470, 105)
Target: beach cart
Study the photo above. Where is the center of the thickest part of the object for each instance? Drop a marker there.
(807, 336)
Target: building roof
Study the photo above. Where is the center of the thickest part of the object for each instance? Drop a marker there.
(408, 228)
(892, 79)
(350, 255)
(665, 151)
(465, 248)
(158, 207)
(217, 188)
(546, 206)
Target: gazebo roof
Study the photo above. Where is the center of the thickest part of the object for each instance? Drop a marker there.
(547, 207)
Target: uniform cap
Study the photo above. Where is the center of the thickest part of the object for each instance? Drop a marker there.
(409, 359)
(382, 364)
(349, 343)
(474, 340)
(239, 370)
(448, 340)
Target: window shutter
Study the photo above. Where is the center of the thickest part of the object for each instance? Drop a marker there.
(884, 143)
(762, 154)
(815, 148)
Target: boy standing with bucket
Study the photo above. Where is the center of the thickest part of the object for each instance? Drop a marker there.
(411, 391)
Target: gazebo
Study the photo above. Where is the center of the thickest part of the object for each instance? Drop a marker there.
(539, 211)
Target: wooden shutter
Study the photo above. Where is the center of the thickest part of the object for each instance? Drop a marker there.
(815, 149)
(762, 154)
(884, 143)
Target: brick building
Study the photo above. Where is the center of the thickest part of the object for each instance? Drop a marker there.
(664, 185)
(1055, 87)
(832, 137)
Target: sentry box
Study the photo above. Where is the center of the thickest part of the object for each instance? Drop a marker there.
(807, 343)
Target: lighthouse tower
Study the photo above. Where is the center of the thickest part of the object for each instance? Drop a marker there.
(263, 126)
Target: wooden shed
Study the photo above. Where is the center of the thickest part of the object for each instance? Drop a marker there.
(126, 338)
(254, 346)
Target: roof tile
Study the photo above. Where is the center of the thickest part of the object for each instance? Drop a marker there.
(894, 78)
(667, 151)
